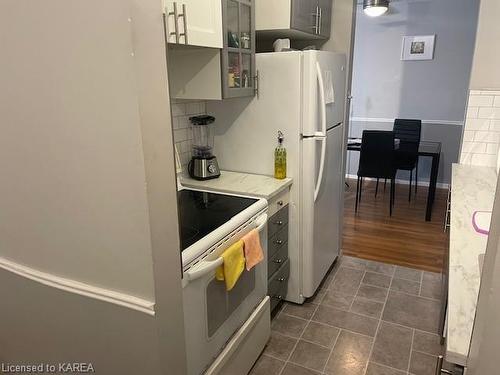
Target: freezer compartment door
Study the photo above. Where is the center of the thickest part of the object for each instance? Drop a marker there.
(321, 216)
(324, 80)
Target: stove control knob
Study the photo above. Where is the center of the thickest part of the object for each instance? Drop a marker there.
(211, 168)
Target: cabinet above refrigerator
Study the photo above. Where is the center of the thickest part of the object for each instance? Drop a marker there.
(295, 19)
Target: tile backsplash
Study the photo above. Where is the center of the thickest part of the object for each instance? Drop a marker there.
(481, 138)
(183, 132)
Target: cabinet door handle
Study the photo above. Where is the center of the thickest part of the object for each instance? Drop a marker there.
(256, 84)
(184, 21)
(316, 20)
(278, 261)
(176, 26)
(279, 222)
(279, 297)
(279, 242)
(280, 203)
(165, 24)
(320, 20)
(281, 279)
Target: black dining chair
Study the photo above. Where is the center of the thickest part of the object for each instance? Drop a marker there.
(376, 160)
(408, 132)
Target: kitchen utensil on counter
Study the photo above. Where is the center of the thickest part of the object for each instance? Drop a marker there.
(203, 164)
(481, 222)
(233, 40)
(280, 158)
(281, 44)
(245, 40)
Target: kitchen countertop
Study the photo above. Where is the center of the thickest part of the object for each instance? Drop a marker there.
(240, 183)
(472, 189)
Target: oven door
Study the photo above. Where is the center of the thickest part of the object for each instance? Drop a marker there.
(211, 314)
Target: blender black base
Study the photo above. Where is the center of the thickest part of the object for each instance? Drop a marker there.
(203, 168)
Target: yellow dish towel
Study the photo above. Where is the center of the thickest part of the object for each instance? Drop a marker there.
(234, 264)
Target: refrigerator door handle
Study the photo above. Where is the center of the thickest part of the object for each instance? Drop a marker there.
(321, 167)
(321, 136)
(322, 98)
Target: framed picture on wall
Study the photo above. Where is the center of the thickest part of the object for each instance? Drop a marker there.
(418, 47)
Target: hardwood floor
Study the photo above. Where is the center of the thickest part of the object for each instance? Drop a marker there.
(405, 238)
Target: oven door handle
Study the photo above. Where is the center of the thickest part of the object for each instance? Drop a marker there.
(261, 221)
(203, 268)
(206, 267)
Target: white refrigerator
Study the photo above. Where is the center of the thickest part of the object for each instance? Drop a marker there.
(301, 93)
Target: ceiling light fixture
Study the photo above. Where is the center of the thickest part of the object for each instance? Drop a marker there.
(375, 8)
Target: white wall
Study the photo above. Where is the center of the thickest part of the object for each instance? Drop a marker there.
(386, 87)
(485, 73)
(341, 28)
(342, 41)
(43, 325)
(481, 139)
(88, 186)
(183, 129)
(73, 180)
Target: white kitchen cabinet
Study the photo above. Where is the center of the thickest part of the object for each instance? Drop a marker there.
(194, 22)
(296, 19)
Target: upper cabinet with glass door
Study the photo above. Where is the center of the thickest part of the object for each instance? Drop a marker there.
(194, 22)
(226, 71)
(238, 54)
(296, 19)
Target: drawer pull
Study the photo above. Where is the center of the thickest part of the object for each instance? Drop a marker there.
(279, 222)
(279, 261)
(281, 279)
(280, 203)
(279, 242)
(439, 367)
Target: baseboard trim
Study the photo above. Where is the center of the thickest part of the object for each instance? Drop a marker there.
(79, 288)
(439, 185)
(391, 120)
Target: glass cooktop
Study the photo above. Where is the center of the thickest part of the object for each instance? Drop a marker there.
(201, 213)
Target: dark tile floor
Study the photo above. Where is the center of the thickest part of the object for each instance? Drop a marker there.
(367, 318)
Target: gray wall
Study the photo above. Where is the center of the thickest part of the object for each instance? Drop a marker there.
(384, 87)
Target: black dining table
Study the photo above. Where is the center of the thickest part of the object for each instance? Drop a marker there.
(425, 149)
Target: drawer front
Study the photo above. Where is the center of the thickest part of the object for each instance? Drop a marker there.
(277, 221)
(276, 261)
(278, 202)
(277, 240)
(278, 284)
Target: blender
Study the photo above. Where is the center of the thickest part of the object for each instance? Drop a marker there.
(203, 164)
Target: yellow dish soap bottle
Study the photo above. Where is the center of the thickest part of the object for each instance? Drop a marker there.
(280, 158)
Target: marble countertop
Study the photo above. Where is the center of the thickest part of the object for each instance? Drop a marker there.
(472, 189)
(240, 183)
